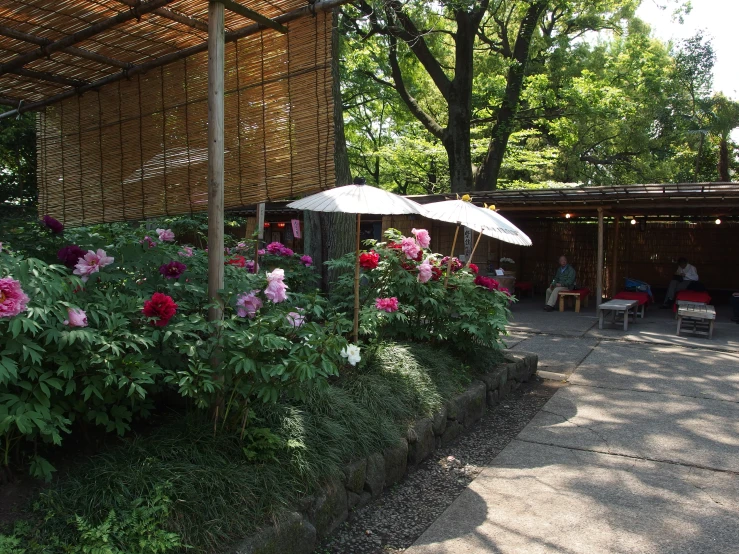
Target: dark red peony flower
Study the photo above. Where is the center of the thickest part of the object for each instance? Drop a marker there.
(238, 261)
(408, 266)
(69, 255)
(435, 273)
(172, 270)
(487, 282)
(474, 269)
(369, 260)
(54, 225)
(456, 264)
(394, 245)
(161, 307)
(419, 256)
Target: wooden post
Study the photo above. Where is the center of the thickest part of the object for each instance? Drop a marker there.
(614, 271)
(599, 274)
(451, 257)
(356, 286)
(216, 41)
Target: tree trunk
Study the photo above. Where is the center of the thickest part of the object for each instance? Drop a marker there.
(331, 235)
(698, 158)
(723, 160)
(456, 137)
(489, 171)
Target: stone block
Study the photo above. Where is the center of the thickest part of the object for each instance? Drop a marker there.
(452, 409)
(492, 378)
(396, 462)
(352, 500)
(525, 364)
(292, 533)
(374, 479)
(364, 499)
(475, 403)
(492, 398)
(452, 432)
(423, 443)
(440, 421)
(329, 508)
(354, 475)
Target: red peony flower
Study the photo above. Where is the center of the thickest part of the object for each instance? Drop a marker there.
(474, 269)
(394, 245)
(408, 266)
(487, 282)
(456, 264)
(369, 260)
(70, 255)
(54, 225)
(238, 261)
(172, 270)
(161, 307)
(435, 273)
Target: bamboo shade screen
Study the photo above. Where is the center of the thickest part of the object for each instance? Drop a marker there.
(138, 148)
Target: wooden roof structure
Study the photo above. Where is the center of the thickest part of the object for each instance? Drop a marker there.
(157, 107)
(688, 200)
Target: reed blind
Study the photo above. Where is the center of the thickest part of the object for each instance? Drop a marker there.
(138, 148)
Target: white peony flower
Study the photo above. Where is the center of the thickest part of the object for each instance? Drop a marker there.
(351, 353)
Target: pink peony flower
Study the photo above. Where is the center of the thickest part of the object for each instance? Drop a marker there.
(456, 264)
(12, 298)
(388, 305)
(1, 246)
(276, 290)
(425, 271)
(295, 319)
(251, 267)
(261, 251)
(149, 241)
(77, 318)
(306, 260)
(91, 263)
(165, 235)
(173, 270)
(422, 237)
(247, 304)
(410, 247)
(187, 251)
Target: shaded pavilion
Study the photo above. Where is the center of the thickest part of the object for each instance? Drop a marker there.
(165, 107)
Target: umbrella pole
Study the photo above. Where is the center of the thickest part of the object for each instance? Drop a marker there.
(451, 257)
(356, 287)
(469, 261)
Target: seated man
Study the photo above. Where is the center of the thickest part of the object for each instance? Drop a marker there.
(563, 280)
(686, 276)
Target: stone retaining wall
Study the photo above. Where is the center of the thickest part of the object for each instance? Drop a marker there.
(300, 531)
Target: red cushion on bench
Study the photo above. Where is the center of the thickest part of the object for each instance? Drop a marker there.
(641, 297)
(691, 296)
(524, 285)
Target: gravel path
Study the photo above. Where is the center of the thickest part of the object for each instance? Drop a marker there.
(394, 521)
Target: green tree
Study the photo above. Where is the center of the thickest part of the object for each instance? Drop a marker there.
(18, 159)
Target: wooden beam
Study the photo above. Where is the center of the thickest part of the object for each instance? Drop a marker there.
(193, 22)
(599, 272)
(248, 30)
(8, 101)
(81, 35)
(51, 77)
(216, 89)
(251, 14)
(79, 52)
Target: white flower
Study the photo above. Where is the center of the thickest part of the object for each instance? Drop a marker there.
(351, 353)
(507, 260)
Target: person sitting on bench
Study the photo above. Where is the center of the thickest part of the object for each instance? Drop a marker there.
(686, 277)
(564, 280)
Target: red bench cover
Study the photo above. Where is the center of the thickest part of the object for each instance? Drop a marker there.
(691, 296)
(524, 285)
(641, 297)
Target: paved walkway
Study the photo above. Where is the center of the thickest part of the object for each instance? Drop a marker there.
(638, 454)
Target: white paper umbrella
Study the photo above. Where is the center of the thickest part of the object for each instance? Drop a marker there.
(358, 199)
(478, 219)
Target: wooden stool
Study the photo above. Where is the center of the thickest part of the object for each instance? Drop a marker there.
(577, 295)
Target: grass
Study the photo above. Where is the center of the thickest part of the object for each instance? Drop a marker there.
(218, 494)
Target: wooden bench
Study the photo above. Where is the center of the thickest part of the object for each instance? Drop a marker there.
(577, 294)
(616, 307)
(641, 297)
(702, 316)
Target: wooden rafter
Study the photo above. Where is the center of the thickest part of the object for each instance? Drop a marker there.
(193, 22)
(50, 77)
(251, 14)
(81, 35)
(79, 52)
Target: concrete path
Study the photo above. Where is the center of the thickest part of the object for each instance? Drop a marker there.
(639, 454)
